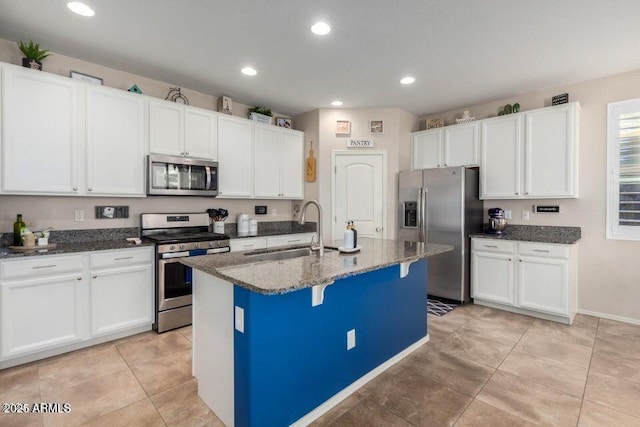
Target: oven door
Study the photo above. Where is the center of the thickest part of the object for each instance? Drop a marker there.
(174, 284)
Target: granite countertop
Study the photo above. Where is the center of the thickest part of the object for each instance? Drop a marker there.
(74, 241)
(278, 277)
(537, 233)
(69, 248)
(272, 228)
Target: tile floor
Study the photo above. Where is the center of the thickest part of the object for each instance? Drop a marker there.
(482, 367)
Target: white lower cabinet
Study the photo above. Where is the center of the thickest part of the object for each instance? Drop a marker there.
(121, 293)
(539, 279)
(42, 313)
(247, 244)
(52, 301)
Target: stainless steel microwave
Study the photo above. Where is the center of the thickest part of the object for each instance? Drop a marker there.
(181, 176)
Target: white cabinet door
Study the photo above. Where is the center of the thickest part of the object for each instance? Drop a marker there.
(492, 277)
(235, 157)
(500, 163)
(121, 298)
(116, 138)
(42, 313)
(543, 284)
(166, 128)
(292, 164)
(201, 133)
(425, 149)
(40, 133)
(551, 152)
(267, 161)
(461, 145)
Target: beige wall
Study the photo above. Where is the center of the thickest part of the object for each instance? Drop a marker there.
(397, 127)
(310, 123)
(609, 271)
(59, 211)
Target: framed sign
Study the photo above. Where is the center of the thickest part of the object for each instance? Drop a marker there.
(360, 143)
(376, 127)
(343, 127)
(85, 78)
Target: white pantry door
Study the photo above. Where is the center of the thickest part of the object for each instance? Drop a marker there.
(359, 192)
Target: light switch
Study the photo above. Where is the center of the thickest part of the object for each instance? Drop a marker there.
(525, 215)
(351, 339)
(507, 214)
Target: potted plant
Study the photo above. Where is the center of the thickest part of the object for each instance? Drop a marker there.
(259, 114)
(33, 54)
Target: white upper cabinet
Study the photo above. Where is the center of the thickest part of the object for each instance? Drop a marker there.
(531, 155)
(501, 157)
(551, 157)
(426, 147)
(116, 136)
(461, 145)
(278, 162)
(444, 147)
(180, 130)
(41, 150)
(235, 157)
(200, 133)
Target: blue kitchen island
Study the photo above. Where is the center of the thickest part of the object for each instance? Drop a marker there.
(280, 342)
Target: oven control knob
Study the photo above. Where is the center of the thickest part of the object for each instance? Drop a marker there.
(212, 244)
(171, 247)
(197, 245)
(181, 246)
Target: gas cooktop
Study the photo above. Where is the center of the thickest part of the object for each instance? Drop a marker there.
(186, 237)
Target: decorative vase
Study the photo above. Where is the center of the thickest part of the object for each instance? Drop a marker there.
(32, 63)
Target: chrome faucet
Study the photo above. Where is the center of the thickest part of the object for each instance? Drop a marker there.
(303, 211)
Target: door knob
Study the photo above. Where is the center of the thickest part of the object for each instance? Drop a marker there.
(378, 229)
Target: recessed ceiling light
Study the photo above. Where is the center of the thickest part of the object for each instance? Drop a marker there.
(80, 8)
(407, 80)
(320, 28)
(248, 71)
(336, 103)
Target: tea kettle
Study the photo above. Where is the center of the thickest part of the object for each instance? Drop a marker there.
(497, 222)
(242, 223)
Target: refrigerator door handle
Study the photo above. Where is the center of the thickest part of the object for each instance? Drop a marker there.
(425, 214)
(419, 214)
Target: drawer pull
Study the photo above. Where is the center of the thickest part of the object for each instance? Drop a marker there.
(247, 246)
(293, 241)
(95, 276)
(122, 258)
(37, 267)
(491, 246)
(541, 250)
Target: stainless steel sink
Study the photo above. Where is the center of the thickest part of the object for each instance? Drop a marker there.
(280, 254)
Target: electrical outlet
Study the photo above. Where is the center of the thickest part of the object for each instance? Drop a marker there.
(274, 212)
(351, 339)
(525, 215)
(507, 214)
(79, 215)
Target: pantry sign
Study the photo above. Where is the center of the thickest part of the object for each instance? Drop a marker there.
(359, 143)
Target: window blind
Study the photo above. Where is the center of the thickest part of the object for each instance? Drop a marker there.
(629, 167)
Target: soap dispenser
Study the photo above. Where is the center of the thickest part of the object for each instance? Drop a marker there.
(348, 238)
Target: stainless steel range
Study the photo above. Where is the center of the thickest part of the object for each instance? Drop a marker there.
(177, 236)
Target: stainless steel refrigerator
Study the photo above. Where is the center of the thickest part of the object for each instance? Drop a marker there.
(442, 206)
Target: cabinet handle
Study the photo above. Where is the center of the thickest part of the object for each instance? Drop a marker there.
(438, 165)
(186, 152)
(510, 259)
(95, 276)
(75, 188)
(90, 189)
(445, 165)
(526, 192)
(37, 267)
(293, 241)
(247, 246)
(517, 194)
(78, 278)
(490, 246)
(541, 250)
(519, 260)
(123, 257)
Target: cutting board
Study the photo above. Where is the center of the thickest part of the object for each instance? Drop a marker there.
(310, 166)
(32, 248)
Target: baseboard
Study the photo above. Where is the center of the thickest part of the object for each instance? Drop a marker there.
(610, 316)
(349, 390)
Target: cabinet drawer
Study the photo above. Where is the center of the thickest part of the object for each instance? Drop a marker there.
(121, 257)
(290, 239)
(40, 266)
(544, 250)
(247, 244)
(491, 245)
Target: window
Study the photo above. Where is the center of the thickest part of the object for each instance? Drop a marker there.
(623, 171)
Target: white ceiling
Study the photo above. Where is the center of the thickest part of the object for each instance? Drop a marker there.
(461, 52)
